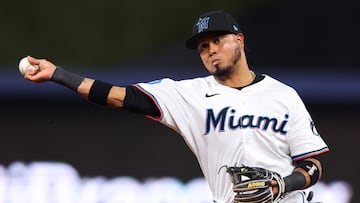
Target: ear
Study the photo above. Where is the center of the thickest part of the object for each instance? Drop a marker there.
(241, 39)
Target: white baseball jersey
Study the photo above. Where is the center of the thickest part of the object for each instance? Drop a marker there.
(265, 125)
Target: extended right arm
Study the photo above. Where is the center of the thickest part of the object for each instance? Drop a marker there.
(93, 90)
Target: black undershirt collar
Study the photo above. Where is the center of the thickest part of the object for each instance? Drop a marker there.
(257, 79)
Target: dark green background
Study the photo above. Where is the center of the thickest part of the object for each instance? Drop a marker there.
(101, 32)
(106, 33)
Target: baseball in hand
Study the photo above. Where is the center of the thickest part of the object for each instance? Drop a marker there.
(25, 66)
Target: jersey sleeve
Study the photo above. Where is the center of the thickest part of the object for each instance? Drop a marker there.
(304, 140)
(169, 101)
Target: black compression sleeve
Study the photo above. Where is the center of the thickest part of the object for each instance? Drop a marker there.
(295, 181)
(140, 103)
(307, 172)
(67, 78)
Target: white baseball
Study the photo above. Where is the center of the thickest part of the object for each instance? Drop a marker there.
(25, 66)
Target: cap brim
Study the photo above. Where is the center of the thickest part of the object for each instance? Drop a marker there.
(193, 41)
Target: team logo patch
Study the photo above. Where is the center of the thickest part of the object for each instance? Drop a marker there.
(203, 24)
(313, 128)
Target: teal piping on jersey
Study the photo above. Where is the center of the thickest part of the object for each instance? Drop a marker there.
(154, 100)
(310, 154)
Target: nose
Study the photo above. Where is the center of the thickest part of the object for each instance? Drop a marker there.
(213, 48)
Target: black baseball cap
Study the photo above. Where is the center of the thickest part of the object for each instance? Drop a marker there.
(212, 22)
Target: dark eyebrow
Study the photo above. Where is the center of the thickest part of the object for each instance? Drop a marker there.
(210, 36)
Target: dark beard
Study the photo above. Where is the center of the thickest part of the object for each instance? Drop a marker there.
(224, 72)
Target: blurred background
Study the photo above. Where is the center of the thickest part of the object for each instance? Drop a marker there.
(311, 45)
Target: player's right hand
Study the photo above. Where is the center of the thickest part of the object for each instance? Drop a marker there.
(44, 73)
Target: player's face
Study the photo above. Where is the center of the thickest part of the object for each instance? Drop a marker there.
(220, 53)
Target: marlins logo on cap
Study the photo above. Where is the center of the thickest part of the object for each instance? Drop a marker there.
(203, 24)
(215, 21)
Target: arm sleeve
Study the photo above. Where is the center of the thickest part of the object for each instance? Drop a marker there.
(306, 173)
(138, 102)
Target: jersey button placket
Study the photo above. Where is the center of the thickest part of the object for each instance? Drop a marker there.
(245, 142)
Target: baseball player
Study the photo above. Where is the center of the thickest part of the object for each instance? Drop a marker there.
(232, 117)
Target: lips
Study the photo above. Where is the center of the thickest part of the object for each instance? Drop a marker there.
(215, 62)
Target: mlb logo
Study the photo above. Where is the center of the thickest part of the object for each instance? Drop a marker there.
(203, 24)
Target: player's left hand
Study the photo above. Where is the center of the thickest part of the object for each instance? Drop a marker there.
(45, 72)
(260, 185)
